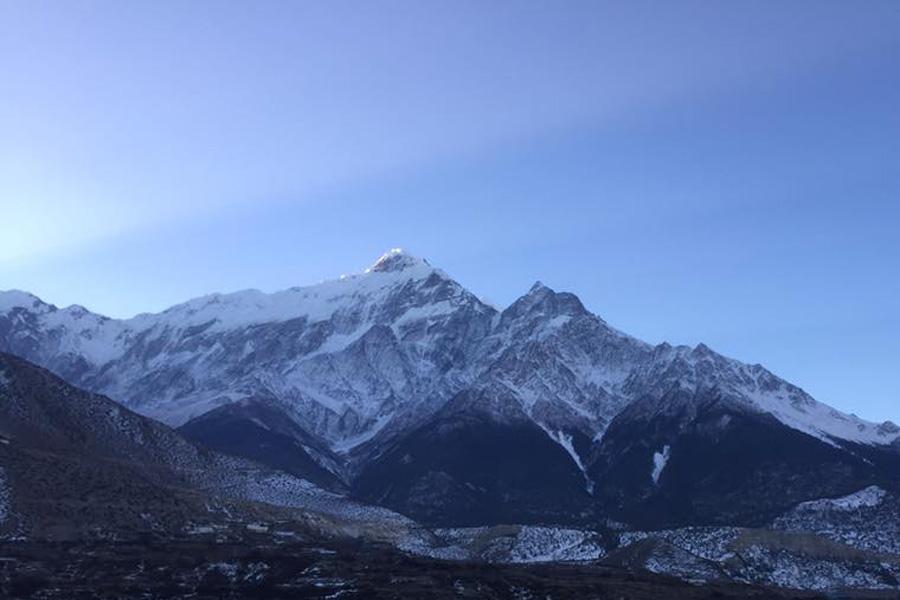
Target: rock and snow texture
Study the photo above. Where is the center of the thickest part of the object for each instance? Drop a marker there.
(344, 355)
(822, 421)
(868, 520)
(659, 462)
(784, 559)
(524, 544)
(370, 354)
(869, 497)
(4, 496)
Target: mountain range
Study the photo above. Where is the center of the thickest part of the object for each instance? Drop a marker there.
(401, 388)
(396, 407)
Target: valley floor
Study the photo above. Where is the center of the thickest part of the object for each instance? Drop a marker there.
(201, 570)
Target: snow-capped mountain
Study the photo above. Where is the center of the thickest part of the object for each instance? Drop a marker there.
(393, 375)
(76, 466)
(344, 356)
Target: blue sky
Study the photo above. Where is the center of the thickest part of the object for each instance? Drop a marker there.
(726, 172)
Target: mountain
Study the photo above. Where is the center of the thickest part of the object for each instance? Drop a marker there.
(475, 463)
(75, 465)
(96, 500)
(402, 386)
(346, 356)
(716, 462)
(260, 430)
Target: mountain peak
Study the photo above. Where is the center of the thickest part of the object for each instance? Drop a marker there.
(541, 300)
(10, 299)
(537, 287)
(396, 260)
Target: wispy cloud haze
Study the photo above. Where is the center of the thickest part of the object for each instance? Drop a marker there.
(117, 116)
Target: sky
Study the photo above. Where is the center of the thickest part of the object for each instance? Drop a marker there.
(724, 172)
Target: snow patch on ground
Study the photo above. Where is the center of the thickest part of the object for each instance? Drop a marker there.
(346, 445)
(868, 519)
(660, 460)
(709, 543)
(525, 543)
(760, 557)
(867, 497)
(543, 544)
(565, 440)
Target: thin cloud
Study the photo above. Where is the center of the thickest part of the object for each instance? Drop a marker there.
(119, 117)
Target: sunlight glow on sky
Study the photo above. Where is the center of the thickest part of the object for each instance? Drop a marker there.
(725, 172)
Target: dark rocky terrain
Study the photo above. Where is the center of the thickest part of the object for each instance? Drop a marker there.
(75, 465)
(470, 466)
(261, 431)
(268, 571)
(724, 466)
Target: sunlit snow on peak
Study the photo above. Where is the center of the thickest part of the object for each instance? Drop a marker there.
(395, 260)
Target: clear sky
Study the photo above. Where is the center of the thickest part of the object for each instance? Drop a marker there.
(726, 172)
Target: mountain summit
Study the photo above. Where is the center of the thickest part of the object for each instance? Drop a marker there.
(397, 259)
(402, 386)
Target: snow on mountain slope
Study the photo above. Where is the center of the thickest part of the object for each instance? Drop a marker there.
(755, 389)
(566, 366)
(344, 355)
(367, 356)
(366, 292)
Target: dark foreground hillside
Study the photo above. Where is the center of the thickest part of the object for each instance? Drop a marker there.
(205, 570)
